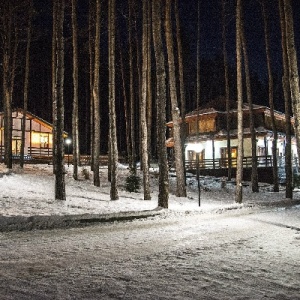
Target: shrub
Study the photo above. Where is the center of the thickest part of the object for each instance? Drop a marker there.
(296, 181)
(86, 173)
(133, 183)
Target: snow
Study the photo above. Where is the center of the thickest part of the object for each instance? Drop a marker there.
(220, 250)
(30, 191)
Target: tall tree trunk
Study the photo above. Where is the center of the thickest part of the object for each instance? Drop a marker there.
(26, 83)
(227, 92)
(198, 62)
(7, 82)
(75, 121)
(143, 107)
(126, 109)
(239, 168)
(138, 86)
(60, 193)
(180, 190)
(131, 92)
(91, 73)
(271, 101)
(181, 85)
(287, 104)
(112, 98)
(293, 68)
(163, 196)
(149, 110)
(198, 96)
(54, 88)
(96, 102)
(254, 173)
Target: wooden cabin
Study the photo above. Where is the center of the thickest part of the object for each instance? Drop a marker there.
(206, 136)
(38, 135)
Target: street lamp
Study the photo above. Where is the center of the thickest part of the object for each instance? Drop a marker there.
(198, 150)
(68, 142)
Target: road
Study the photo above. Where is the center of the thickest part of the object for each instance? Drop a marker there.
(245, 254)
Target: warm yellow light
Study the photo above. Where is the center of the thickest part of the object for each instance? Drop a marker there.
(41, 138)
(35, 138)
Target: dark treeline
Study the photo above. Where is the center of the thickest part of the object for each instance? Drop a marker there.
(133, 55)
(211, 75)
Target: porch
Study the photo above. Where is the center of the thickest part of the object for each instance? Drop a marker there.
(219, 167)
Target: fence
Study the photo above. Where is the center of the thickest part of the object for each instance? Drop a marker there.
(219, 163)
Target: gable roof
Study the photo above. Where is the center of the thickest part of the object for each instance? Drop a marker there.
(32, 116)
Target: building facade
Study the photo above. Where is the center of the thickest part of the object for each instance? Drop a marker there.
(206, 136)
(38, 135)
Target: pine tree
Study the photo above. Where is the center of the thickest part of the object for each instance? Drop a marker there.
(271, 101)
(75, 121)
(293, 68)
(143, 106)
(254, 173)
(163, 196)
(96, 100)
(287, 104)
(26, 82)
(112, 98)
(179, 166)
(60, 192)
(239, 167)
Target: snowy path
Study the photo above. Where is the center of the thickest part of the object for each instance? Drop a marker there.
(249, 254)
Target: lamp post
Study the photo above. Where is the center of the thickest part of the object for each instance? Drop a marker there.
(198, 150)
(68, 142)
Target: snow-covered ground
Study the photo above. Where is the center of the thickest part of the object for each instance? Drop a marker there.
(220, 250)
(31, 192)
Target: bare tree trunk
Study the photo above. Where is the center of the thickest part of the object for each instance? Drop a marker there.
(7, 82)
(239, 168)
(198, 63)
(131, 91)
(163, 196)
(254, 174)
(91, 63)
(138, 87)
(96, 102)
(227, 93)
(126, 110)
(271, 101)
(293, 68)
(54, 88)
(60, 193)
(180, 190)
(287, 104)
(143, 117)
(149, 110)
(181, 84)
(75, 121)
(112, 98)
(26, 83)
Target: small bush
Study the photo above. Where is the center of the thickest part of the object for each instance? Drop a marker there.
(296, 180)
(86, 174)
(133, 183)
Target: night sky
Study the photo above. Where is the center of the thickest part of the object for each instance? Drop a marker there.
(210, 54)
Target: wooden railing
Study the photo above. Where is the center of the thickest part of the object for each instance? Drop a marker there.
(36, 151)
(218, 163)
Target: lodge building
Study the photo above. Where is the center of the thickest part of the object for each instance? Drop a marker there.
(206, 136)
(38, 135)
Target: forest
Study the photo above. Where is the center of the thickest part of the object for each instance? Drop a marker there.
(113, 73)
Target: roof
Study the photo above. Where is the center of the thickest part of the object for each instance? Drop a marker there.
(36, 118)
(32, 116)
(213, 111)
